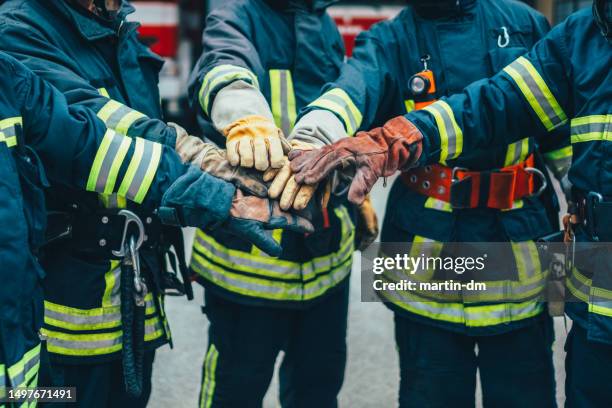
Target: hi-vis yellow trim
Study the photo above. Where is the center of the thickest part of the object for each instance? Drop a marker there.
(83, 344)
(410, 105)
(277, 235)
(7, 130)
(141, 170)
(25, 372)
(104, 92)
(592, 128)
(283, 99)
(434, 204)
(537, 93)
(221, 76)
(517, 152)
(560, 154)
(340, 103)
(451, 135)
(107, 163)
(111, 295)
(210, 374)
(118, 116)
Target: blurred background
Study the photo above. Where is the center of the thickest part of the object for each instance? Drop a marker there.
(173, 28)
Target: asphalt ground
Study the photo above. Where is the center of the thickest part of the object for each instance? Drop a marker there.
(372, 375)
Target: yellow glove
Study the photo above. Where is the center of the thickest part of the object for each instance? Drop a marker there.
(367, 224)
(284, 185)
(255, 141)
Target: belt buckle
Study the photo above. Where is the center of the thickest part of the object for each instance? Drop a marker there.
(454, 178)
(592, 199)
(533, 170)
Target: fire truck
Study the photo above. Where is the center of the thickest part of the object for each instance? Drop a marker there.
(173, 29)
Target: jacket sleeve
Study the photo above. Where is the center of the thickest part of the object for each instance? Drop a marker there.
(229, 63)
(532, 93)
(364, 84)
(60, 69)
(78, 151)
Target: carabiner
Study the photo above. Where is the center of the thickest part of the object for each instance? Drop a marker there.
(537, 172)
(130, 217)
(506, 38)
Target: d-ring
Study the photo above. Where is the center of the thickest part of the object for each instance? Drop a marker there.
(502, 42)
(533, 170)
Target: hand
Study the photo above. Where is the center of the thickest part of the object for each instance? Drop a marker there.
(285, 187)
(367, 225)
(371, 155)
(251, 216)
(255, 141)
(188, 147)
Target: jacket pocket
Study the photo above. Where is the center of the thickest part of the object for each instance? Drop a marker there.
(499, 58)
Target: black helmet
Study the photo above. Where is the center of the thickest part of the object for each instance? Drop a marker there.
(602, 10)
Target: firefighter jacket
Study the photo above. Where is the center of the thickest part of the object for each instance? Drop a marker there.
(99, 64)
(40, 137)
(544, 90)
(459, 48)
(288, 50)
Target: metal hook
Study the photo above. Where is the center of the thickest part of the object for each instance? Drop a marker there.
(424, 60)
(506, 38)
(130, 217)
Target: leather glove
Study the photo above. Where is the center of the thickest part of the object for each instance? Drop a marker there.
(251, 217)
(255, 141)
(285, 187)
(369, 155)
(213, 160)
(366, 230)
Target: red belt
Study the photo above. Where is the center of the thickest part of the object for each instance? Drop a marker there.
(462, 188)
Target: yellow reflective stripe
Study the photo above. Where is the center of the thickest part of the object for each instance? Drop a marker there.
(340, 103)
(517, 152)
(91, 344)
(527, 260)
(559, 154)
(111, 287)
(277, 235)
(537, 93)
(24, 370)
(153, 329)
(82, 319)
(118, 116)
(8, 132)
(592, 128)
(282, 99)
(210, 373)
(141, 170)
(104, 92)
(451, 135)
(434, 204)
(107, 163)
(220, 75)
(516, 205)
(410, 105)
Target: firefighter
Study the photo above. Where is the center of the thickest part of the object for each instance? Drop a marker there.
(262, 61)
(433, 49)
(540, 92)
(40, 137)
(91, 53)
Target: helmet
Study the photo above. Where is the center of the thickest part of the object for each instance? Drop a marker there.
(439, 8)
(602, 10)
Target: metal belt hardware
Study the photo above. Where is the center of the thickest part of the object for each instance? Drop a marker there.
(590, 219)
(130, 244)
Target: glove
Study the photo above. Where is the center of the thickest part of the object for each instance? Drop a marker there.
(366, 230)
(251, 216)
(284, 185)
(213, 160)
(198, 199)
(255, 141)
(368, 156)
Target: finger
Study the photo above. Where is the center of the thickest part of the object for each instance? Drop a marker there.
(245, 150)
(289, 194)
(361, 185)
(263, 240)
(270, 174)
(280, 182)
(232, 152)
(303, 197)
(277, 155)
(260, 152)
(286, 145)
(250, 182)
(326, 194)
(300, 225)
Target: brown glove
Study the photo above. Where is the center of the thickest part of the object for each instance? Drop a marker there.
(366, 230)
(285, 187)
(371, 155)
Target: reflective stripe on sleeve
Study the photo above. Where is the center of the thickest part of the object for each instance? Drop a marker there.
(118, 116)
(25, 370)
(559, 160)
(451, 135)
(220, 76)
(210, 372)
(107, 163)
(8, 133)
(141, 170)
(592, 128)
(537, 93)
(283, 99)
(340, 103)
(517, 152)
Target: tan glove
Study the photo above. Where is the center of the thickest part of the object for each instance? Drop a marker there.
(285, 187)
(366, 230)
(255, 141)
(212, 160)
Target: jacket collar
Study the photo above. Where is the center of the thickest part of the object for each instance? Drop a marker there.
(90, 26)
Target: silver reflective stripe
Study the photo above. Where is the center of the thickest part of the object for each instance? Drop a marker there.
(589, 128)
(117, 116)
(328, 280)
(107, 163)
(82, 320)
(210, 369)
(451, 140)
(284, 101)
(354, 124)
(85, 344)
(25, 369)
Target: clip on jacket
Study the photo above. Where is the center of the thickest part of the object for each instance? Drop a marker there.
(497, 189)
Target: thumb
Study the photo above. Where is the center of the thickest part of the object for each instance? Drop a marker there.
(263, 240)
(361, 185)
